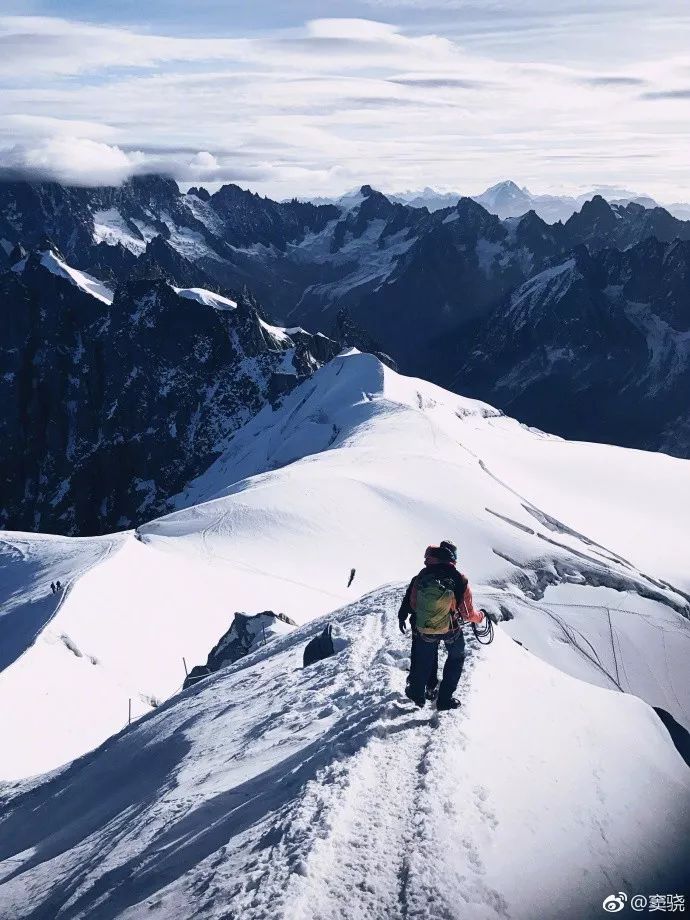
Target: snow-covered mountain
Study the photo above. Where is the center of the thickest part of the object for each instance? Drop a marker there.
(270, 790)
(368, 271)
(303, 493)
(296, 257)
(507, 199)
(602, 340)
(282, 792)
(113, 400)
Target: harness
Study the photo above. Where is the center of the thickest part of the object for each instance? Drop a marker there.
(483, 633)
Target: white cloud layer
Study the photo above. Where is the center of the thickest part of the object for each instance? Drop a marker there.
(75, 160)
(338, 102)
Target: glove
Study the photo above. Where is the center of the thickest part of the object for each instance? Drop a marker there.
(402, 623)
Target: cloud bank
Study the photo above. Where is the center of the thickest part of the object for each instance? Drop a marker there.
(318, 108)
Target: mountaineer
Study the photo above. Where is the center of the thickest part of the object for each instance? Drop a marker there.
(438, 602)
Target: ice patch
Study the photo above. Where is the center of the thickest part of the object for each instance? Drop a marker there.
(207, 298)
(188, 243)
(205, 214)
(110, 227)
(277, 333)
(86, 283)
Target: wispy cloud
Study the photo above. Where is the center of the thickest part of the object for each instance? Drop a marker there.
(49, 45)
(612, 80)
(325, 105)
(439, 82)
(668, 94)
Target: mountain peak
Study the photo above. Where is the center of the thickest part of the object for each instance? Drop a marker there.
(596, 207)
(507, 186)
(199, 192)
(470, 209)
(506, 199)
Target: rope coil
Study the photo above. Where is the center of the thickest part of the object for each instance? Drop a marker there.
(484, 632)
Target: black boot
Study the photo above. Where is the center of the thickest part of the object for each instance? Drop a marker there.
(419, 703)
(452, 703)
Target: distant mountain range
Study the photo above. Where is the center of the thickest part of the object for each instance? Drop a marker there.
(598, 346)
(120, 350)
(507, 199)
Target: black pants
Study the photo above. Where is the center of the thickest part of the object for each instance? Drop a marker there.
(432, 678)
(424, 661)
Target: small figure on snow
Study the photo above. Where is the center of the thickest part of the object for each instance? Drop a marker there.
(438, 601)
(352, 577)
(52, 587)
(58, 587)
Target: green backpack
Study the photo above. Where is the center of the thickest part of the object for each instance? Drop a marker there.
(433, 601)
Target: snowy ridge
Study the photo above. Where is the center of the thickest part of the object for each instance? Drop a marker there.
(357, 459)
(82, 280)
(282, 792)
(208, 298)
(273, 791)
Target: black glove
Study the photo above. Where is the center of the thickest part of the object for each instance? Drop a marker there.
(402, 623)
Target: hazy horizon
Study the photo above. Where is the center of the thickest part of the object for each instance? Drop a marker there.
(401, 94)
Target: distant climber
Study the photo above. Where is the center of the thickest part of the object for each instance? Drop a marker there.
(58, 587)
(352, 577)
(438, 601)
(52, 587)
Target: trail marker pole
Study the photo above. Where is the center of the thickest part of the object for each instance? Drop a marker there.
(186, 672)
(129, 716)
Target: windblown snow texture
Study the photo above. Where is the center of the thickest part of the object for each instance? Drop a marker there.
(276, 791)
(271, 790)
(357, 458)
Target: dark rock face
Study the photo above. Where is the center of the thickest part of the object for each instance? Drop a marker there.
(108, 409)
(679, 735)
(594, 348)
(348, 333)
(249, 219)
(455, 296)
(247, 632)
(600, 224)
(452, 274)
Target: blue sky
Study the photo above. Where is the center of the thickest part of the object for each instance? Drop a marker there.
(313, 99)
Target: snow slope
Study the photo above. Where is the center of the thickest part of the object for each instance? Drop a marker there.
(208, 298)
(526, 508)
(110, 227)
(273, 791)
(82, 280)
(362, 468)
